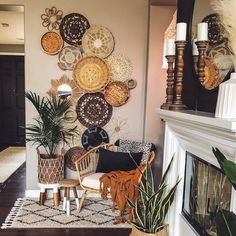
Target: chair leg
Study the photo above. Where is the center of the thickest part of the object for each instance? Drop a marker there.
(42, 196)
(56, 197)
(76, 197)
(64, 199)
(68, 201)
(82, 200)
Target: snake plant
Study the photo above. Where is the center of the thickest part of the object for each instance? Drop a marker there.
(150, 209)
(226, 220)
(49, 129)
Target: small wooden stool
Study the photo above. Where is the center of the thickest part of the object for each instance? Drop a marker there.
(67, 184)
(43, 193)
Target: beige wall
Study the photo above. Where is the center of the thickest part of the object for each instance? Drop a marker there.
(127, 20)
(160, 18)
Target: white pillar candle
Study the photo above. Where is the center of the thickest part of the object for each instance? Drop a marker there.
(181, 31)
(170, 47)
(194, 48)
(202, 31)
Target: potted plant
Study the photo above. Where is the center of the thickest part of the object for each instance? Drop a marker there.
(49, 132)
(226, 220)
(150, 209)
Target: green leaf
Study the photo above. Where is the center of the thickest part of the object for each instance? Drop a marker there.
(167, 170)
(230, 170)
(226, 223)
(149, 180)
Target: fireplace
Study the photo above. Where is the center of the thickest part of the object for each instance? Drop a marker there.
(203, 188)
(206, 190)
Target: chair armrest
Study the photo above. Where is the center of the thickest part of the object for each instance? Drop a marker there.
(87, 163)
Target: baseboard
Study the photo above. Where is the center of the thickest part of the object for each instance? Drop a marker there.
(35, 193)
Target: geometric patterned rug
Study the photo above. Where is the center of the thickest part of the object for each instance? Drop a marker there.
(96, 212)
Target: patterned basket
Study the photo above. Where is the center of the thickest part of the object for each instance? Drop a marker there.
(50, 170)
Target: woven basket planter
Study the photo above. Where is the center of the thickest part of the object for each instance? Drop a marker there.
(50, 170)
(136, 232)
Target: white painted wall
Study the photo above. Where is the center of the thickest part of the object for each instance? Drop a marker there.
(127, 20)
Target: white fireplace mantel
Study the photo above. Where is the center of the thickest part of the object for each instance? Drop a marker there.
(198, 133)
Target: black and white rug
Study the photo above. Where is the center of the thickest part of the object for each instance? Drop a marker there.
(27, 213)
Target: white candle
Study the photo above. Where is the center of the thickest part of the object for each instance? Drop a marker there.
(194, 48)
(181, 31)
(202, 31)
(170, 47)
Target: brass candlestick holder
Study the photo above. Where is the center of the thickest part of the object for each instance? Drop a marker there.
(202, 46)
(178, 87)
(170, 82)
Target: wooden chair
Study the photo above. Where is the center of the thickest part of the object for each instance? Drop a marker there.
(86, 169)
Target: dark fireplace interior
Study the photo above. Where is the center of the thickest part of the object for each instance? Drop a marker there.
(206, 190)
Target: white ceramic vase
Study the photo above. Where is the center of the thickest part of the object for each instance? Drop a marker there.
(226, 101)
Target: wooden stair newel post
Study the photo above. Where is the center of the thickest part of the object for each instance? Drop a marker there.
(178, 87)
(170, 82)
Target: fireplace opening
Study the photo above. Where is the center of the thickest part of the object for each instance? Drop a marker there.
(206, 189)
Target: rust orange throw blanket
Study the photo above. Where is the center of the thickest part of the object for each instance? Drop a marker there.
(121, 185)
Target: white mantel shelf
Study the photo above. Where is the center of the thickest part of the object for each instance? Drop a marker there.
(197, 133)
(199, 118)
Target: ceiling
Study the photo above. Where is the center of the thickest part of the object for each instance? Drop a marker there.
(11, 24)
(163, 2)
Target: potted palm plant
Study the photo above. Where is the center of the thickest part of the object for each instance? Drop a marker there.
(50, 132)
(150, 209)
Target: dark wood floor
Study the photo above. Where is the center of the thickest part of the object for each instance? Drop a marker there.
(15, 188)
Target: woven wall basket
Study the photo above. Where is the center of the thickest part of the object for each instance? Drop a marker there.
(50, 170)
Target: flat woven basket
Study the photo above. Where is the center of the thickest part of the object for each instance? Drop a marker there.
(72, 155)
(91, 74)
(92, 110)
(51, 43)
(116, 93)
(99, 41)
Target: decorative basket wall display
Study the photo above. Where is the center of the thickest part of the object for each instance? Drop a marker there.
(93, 137)
(68, 57)
(73, 27)
(93, 111)
(99, 41)
(72, 155)
(91, 74)
(116, 93)
(51, 43)
(52, 18)
(121, 67)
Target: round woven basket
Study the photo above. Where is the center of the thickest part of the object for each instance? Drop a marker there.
(51, 43)
(91, 74)
(116, 93)
(50, 170)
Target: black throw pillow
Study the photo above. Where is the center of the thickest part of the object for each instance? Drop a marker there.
(112, 161)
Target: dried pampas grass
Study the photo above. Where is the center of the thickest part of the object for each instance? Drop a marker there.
(227, 12)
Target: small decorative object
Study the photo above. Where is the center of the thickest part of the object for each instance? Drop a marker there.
(116, 93)
(211, 74)
(180, 42)
(156, 204)
(99, 41)
(226, 101)
(93, 111)
(121, 67)
(73, 27)
(131, 83)
(170, 82)
(93, 137)
(117, 128)
(215, 29)
(91, 74)
(72, 155)
(64, 87)
(51, 43)
(51, 120)
(68, 57)
(52, 18)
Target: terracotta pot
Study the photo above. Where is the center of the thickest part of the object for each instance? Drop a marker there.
(50, 170)
(136, 232)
